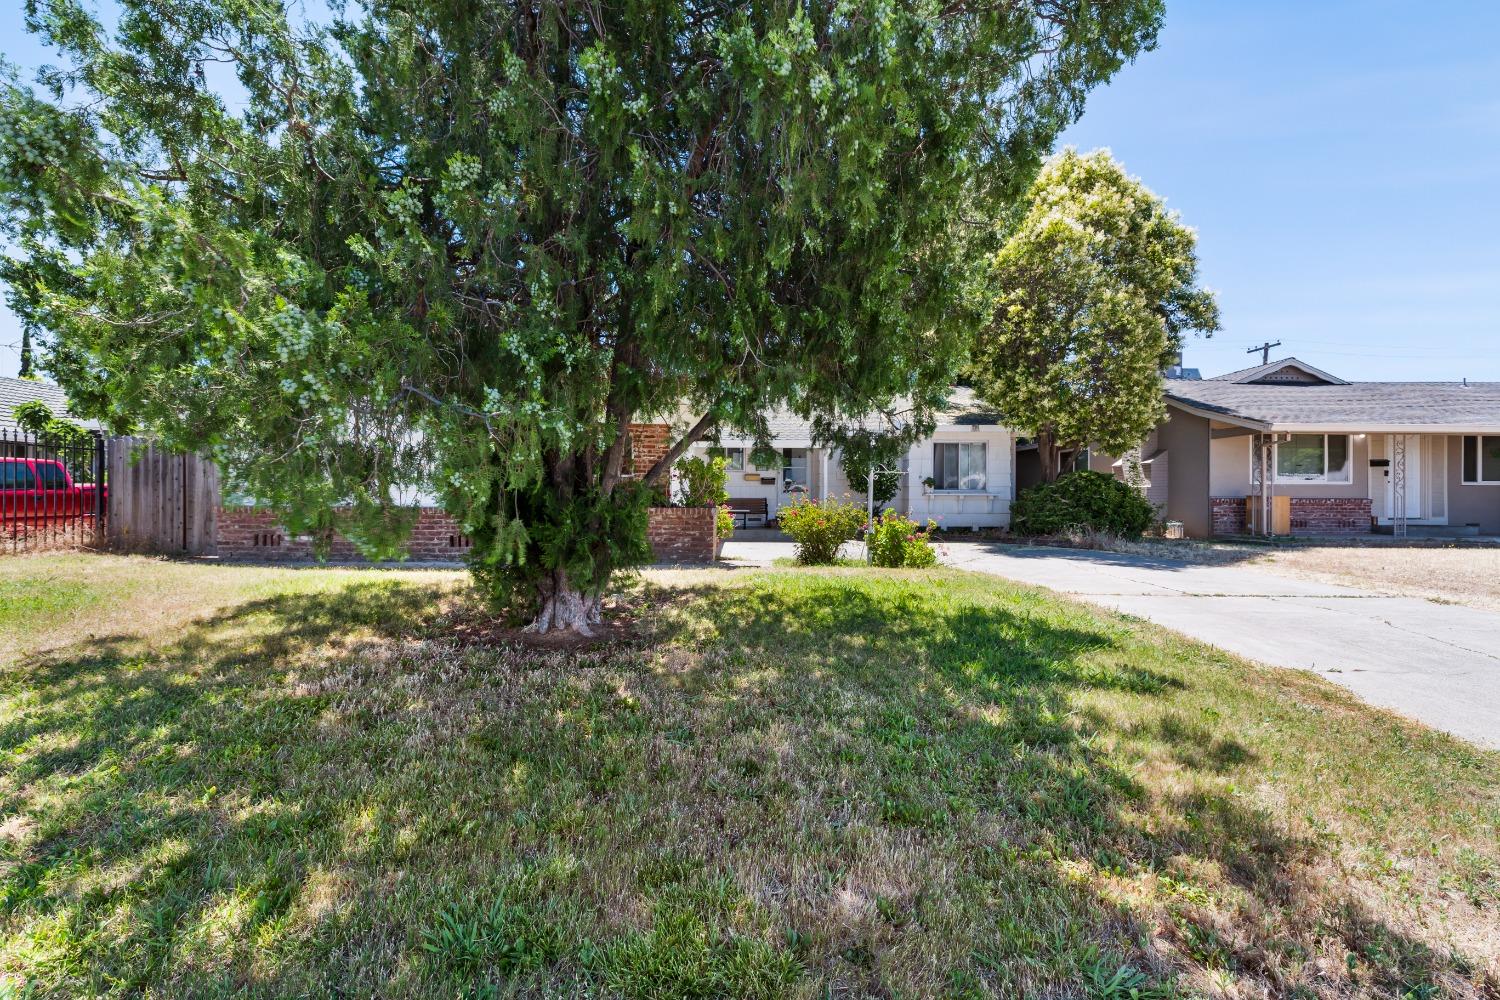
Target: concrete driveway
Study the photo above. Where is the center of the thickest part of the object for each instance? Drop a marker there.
(1439, 663)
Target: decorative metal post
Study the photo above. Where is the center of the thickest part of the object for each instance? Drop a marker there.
(1398, 485)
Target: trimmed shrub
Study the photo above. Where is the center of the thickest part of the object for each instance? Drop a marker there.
(1079, 500)
(820, 528)
(896, 540)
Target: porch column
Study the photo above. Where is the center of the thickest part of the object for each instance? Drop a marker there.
(1398, 485)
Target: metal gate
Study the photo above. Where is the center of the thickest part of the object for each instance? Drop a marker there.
(53, 491)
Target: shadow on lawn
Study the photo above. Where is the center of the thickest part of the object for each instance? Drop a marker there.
(889, 794)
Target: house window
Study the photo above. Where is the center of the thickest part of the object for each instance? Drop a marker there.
(1481, 460)
(734, 458)
(958, 467)
(1313, 458)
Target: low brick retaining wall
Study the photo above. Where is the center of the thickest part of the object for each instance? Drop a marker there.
(1330, 516)
(677, 534)
(252, 533)
(683, 534)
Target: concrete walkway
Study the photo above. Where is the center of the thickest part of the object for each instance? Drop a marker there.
(1439, 663)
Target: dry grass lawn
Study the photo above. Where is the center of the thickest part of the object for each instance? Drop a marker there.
(1467, 574)
(794, 783)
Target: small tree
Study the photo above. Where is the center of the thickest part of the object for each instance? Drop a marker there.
(860, 451)
(463, 244)
(1094, 290)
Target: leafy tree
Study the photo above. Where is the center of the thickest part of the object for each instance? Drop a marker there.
(860, 449)
(463, 243)
(1095, 288)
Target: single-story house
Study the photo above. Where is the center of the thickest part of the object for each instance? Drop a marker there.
(14, 392)
(1294, 448)
(969, 459)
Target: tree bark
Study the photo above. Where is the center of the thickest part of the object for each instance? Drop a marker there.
(565, 608)
(1047, 453)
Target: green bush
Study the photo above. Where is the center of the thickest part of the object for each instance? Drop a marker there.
(897, 540)
(820, 528)
(705, 483)
(1082, 499)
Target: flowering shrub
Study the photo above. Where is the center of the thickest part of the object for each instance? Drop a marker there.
(820, 528)
(897, 540)
(724, 522)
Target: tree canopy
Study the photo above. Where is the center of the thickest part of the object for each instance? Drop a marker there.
(462, 244)
(1093, 292)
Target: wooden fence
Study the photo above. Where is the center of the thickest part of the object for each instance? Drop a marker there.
(160, 501)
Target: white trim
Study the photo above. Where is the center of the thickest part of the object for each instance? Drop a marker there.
(1478, 461)
(1323, 480)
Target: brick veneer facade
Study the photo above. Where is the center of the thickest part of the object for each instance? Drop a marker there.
(1330, 515)
(1323, 516)
(677, 534)
(1228, 515)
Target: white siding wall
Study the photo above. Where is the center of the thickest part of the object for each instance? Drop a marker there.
(990, 509)
(1229, 466)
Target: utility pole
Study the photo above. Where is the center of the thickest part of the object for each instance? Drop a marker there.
(1265, 351)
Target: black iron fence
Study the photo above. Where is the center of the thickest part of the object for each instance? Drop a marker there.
(53, 491)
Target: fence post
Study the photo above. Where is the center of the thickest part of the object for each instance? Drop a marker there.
(101, 505)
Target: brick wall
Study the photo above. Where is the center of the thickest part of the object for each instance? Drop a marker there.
(682, 534)
(676, 534)
(648, 442)
(1330, 515)
(252, 533)
(1228, 515)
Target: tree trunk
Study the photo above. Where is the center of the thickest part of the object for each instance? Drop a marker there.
(565, 608)
(1047, 453)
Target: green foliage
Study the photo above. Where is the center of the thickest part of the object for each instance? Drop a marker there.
(896, 540)
(859, 451)
(461, 246)
(820, 528)
(1094, 290)
(1082, 499)
(36, 417)
(705, 483)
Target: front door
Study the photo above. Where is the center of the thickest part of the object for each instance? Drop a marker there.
(1413, 476)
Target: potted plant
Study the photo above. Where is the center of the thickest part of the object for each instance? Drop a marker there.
(929, 484)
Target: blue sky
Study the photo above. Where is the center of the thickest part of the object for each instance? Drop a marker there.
(1340, 162)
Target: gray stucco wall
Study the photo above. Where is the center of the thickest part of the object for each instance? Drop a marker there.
(1470, 504)
(1185, 437)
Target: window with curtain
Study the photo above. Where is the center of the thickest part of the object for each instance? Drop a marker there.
(1313, 458)
(958, 467)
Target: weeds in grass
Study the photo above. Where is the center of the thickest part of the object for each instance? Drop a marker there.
(795, 784)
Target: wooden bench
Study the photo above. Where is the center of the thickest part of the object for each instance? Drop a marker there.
(744, 508)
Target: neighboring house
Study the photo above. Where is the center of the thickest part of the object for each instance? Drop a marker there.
(969, 456)
(1335, 457)
(14, 392)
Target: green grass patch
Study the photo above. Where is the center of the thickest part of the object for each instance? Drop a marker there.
(793, 783)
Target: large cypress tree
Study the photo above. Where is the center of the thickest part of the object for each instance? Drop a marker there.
(463, 243)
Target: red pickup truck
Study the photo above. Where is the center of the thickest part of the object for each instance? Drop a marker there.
(39, 490)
